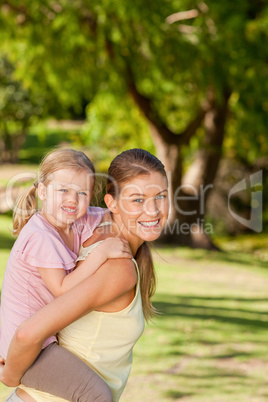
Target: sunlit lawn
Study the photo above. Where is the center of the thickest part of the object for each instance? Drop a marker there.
(210, 342)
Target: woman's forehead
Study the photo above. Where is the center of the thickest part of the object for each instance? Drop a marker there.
(145, 184)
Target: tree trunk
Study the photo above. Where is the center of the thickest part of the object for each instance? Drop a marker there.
(177, 230)
(187, 225)
(198, 180)
(11, 143)
(171, 158)
(188, 194)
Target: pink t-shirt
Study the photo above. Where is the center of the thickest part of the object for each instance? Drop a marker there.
(38, 245)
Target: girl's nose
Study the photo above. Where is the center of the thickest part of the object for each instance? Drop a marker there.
(72, 196)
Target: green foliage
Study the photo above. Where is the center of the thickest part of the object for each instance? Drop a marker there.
(45, 136)
(73, 52)
(18, 109)
(15, 101)
(113, 124)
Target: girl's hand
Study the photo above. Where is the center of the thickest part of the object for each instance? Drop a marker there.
(3, 379)
(114, 247)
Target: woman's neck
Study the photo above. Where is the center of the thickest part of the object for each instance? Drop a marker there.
(134, 241)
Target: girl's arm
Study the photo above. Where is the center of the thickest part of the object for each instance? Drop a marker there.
(115, 278)
(58, 282)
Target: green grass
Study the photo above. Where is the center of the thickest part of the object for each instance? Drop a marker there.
(209, 344)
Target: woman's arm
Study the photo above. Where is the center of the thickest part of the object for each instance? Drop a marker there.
(59, 283)
(112, 280)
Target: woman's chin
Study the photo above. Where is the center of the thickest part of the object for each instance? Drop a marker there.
(151, 234)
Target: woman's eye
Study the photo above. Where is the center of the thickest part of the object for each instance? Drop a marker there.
(161, 197)
(83, 193)
(139, 200)
(63, 190)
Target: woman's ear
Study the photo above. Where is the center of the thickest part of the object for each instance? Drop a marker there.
(111, 203)
(41, 191)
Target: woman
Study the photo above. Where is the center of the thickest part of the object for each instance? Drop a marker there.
(117, 296)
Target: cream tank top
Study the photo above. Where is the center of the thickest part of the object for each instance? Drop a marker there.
(104, 340)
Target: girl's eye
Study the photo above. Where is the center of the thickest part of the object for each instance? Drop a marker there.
(83, 193)
(63, 190)
(139, 200)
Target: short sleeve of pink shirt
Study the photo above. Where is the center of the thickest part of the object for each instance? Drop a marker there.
(45, 250)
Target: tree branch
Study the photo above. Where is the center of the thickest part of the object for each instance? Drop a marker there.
(190, 130)
(144, 104)
(181, 16)
(168, 135)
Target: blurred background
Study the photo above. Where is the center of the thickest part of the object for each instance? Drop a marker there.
(188, 81)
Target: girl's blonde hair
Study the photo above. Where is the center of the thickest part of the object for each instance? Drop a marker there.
(126, 166)
(26, 204)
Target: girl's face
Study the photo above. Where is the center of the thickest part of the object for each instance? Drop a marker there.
(141, 209)
(66, 197)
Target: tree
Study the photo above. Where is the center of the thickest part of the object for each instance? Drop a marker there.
(17, 108)
(197, 71)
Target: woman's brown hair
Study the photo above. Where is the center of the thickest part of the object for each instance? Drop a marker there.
(126, 166)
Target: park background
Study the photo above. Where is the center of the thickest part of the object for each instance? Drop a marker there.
(187, 81)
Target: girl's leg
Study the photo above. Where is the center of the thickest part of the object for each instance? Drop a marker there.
(59, 372)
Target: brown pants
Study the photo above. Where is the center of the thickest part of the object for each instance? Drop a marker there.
(61, 373)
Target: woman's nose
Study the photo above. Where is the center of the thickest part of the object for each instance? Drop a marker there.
(151, 208)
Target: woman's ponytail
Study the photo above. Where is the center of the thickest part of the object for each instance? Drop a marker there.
(147, 279)
(24, 209)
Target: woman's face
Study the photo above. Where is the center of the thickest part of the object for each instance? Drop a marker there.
(143, 207)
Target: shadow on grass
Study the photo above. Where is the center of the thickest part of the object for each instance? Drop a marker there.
(219, 374)
(181, 306)
(173, 394)
(222, 256)
(232, 257)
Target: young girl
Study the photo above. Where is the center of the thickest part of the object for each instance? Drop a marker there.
(116, 297)
(41, 262)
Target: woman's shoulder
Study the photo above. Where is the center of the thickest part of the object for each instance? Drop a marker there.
(102, 232)
(122, 270)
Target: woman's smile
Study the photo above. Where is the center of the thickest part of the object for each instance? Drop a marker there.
(150, 223)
